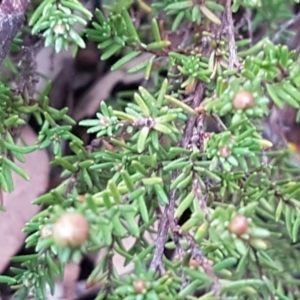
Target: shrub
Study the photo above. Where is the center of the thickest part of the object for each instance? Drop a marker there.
(194, 158)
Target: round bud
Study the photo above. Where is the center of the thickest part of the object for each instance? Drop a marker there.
(238, 225)
(71, 230)
(243, 100)
(224, 151)
(140, 286)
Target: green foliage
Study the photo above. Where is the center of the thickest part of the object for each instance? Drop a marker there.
(56, 20)
(157, 158)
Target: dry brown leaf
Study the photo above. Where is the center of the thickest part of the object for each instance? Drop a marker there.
(18, 205)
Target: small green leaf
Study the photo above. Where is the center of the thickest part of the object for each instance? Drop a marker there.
(295, 231)
(155, 29)
(11, 120)
(77, 38)
(196, 14)
(162, 93)
(258, 244)
(214, 6)
(232, 285)
(164, 128)
(77, 6)
(123, 116)
(210, 15)
(39, 10)
(7, 279)
(272, 93)
(125, 59)
(6, 179)
(117, 225)
(161, 195)
(130, 26)
(140, 101)
(166, 118)
(189, 289)
(139, 167)
(279, 209)
(185, 182)
(136, 194)
(289, 220)
(133, 227)
(241, 268)
(180, 5)
(127, 179)
(152, 180)
(114, 191)
(182, 105)
(143, 208)
(240, 246)
(149, 67)
(158, 45)
(190, 223)
(15, 168)
(59, 44)
(259, 232)
(113, 49)
(138, 68)
(178, 19)
(184, 204)
(64, 163)
(142, 139)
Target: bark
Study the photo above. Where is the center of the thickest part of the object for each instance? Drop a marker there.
(12, 15)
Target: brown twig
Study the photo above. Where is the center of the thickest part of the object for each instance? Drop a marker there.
(286, 26)
(163, 228)
(164, 224)
(233, 59)
(204, 263)
(188, 131)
